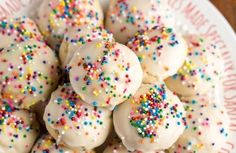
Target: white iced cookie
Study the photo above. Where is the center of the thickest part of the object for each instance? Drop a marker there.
(116, 146)
(77, 37)
(46, 144)
(105, 73)
(56, 16)
(161, 52)
(75, 123)
(152, 120)
(206, 130)
(202, 68)
(13, 31)
(124, 18)
(28, 73)
(18, 129)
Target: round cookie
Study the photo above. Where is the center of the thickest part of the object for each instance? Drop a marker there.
(207, 127)
(161, 52)
(18, 129)
(46, 144)
(105, 73)
(116, 146)
(77, 37)
(152, 120)
(201, 71)
(18, 30)
(56, 16)
(75, 123)
(28, 73)
(125, 18)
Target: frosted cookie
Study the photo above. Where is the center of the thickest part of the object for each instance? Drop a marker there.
(46, 144)
(18, 129)
(202, 69)
(105, 73)
(55, 16)
(116, 146)
(77, 37)
(161, 52)
(109, 139)
(18, 30)
(152, 120)
(206, 130)
(75, 123)
(28, 73)
(124, 18)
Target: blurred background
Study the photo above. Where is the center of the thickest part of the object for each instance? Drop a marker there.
(228, 9)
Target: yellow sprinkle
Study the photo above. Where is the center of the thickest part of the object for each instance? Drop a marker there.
(66, 127)
(134, 9)
(99, 45)
(95, 92)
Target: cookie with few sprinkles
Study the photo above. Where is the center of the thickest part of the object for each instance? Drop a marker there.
(125, 17)
(46, 144)
(18, 129)
(18, 30)
(55, 16)
(161, 52)
(207, 127)
(76, 37)
(116, 146)
(74, 123)
(105, 73)
(153, 119)
(201, 70)
(28, 73)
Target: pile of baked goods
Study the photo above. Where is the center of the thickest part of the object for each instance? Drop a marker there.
(80, 79)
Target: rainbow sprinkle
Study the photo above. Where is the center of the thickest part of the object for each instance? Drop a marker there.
(19, 30)
(151, 112)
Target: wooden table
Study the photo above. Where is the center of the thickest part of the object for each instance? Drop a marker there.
(228, 9)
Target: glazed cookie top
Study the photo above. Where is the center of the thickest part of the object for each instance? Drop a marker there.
(116, 146)
(18, 30)
(28, 73)
(207, 127)
(73, 122)
(201, 70)
(153, 119)
(76, 37)
(18, 129)
(46, 144)
(161, 52)
(125, 17)
(55, 16)
(105, 73)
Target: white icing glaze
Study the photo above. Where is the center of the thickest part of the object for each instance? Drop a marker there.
(77, 37)
(125, 18)
(18, 129)
(151, 120)
(28, 73)
(116, 146)
(54, 18)
(74, 123)
(161, 52)
(201, 71)
(207, 127)
(13, 31)
(105, 73)
(47, 144)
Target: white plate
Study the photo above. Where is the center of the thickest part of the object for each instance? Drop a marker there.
(194, 16)
(200, 16)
